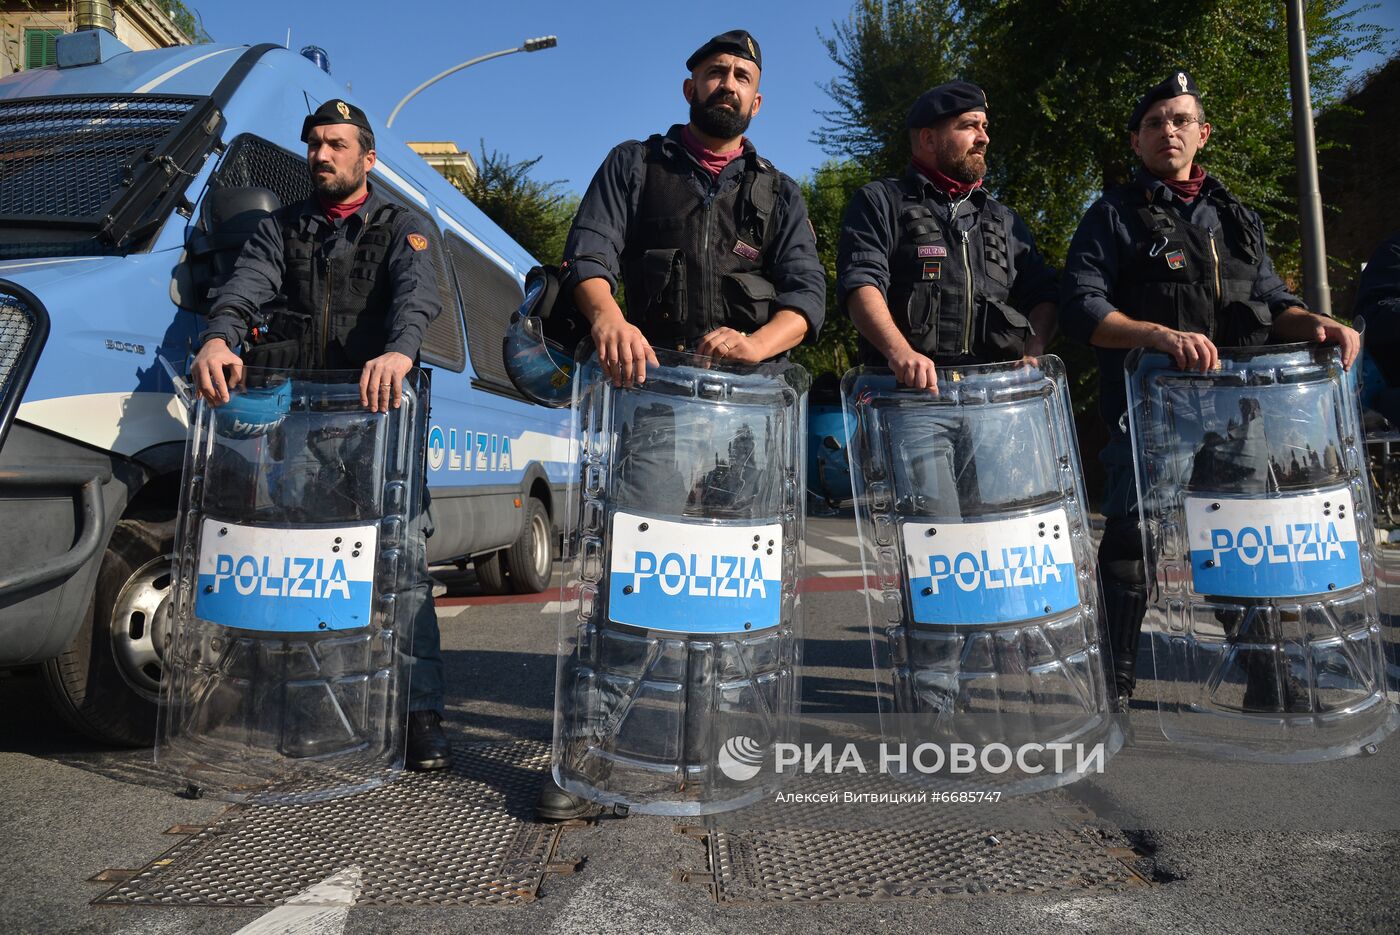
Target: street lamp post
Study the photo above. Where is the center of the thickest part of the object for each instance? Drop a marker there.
(529, 45)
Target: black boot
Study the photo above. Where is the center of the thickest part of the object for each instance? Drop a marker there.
(428, 748)
(554, 804)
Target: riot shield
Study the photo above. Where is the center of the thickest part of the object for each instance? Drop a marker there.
(980, 573)
(300, 528)
(1258, 529)
(678, 669)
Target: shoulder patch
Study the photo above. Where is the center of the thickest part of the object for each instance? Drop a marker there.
(418, 242)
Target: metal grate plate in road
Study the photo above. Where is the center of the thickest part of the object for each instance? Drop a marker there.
(458, 838)
(932, 851)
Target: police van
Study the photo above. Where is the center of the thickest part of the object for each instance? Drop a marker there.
(128, 183)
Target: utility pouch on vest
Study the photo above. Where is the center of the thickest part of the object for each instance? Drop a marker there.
(1005, 331)
(663, 277)
(1244, 324)
(922, 310)
(272, 355)
(748, 297)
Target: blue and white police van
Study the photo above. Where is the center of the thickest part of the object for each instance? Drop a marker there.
(128, 182)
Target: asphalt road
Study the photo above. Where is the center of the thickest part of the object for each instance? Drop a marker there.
(71, 810)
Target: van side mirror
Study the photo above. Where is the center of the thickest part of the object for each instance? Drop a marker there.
(227, 218)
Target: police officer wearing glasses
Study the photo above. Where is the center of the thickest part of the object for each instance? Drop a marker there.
(340, 281)
(1173, 262)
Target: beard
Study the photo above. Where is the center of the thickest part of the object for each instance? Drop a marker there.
(336, 188)
(712, 118)
(965, 167)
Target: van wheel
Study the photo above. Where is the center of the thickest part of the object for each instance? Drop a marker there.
(107, 683)
(491, 573)
(529, 560)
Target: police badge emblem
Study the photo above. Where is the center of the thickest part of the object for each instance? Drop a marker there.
(1181, 81)
(343, 108)
(1176, 259)
(418, 242)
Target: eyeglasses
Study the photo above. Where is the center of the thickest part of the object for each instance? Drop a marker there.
(1175, 121)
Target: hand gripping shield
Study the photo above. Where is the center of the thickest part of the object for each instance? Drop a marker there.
(980, 572)
(300, 528)
(1257, 528)
(678, 659)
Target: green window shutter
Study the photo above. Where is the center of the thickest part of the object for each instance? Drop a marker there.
(39, 47)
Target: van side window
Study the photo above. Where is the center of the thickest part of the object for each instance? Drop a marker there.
(489, 296)
(256, 163)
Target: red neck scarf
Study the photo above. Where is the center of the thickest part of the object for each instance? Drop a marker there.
(712, 161)
(949, 186)
(335, 212)
(1188, 190)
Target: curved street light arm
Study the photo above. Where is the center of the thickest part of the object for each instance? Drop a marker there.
(530, 45)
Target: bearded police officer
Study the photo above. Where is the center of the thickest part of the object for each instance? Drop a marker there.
(934, 271)
(342, 280)
(711, 242)
(1170, 261)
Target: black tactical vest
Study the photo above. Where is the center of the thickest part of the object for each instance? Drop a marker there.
(1192, 279)
(1186, 278)
(950, 283)
(694, 262)
(334, 308)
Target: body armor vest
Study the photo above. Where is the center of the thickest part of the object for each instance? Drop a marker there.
(1192, 279)
(950, 286)
(1187, 278)
(333, 310)
(694, 262)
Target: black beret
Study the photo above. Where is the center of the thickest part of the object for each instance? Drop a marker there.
(735, 42)
(946, 100)
(332, 112)
(1178, 84)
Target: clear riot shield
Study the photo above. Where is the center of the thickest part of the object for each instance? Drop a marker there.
(299, 532)
(678, 659)
(980, 571)
(1258, 528)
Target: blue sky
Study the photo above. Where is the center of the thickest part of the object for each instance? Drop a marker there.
(616, 73)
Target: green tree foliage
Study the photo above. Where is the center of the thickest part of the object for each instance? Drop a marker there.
(188, 22)
(537, 214)
(1062, 77)
(826, 194)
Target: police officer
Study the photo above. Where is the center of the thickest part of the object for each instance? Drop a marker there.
(710, 240)
(934, 271)
(1170, 261)
(342, 280)
(713, 246)
(1378, 301)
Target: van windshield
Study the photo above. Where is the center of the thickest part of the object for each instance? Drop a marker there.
(96, 174)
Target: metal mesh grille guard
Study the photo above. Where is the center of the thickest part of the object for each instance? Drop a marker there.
(66, 158)
(24, 327)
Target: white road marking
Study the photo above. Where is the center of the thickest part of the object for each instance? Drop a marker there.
(844, 573)
(816, 556)
(852, 541)
(551, 607)
(317, 910)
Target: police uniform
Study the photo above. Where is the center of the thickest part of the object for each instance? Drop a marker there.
(1378, 301)
(959, 274)
(310, 292)
(1198, 266)
(697, 252)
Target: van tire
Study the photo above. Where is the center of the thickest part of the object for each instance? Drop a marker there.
(529, 560)
(491, 573)
(89, 683)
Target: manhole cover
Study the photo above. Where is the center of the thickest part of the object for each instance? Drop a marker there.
(457, 838)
